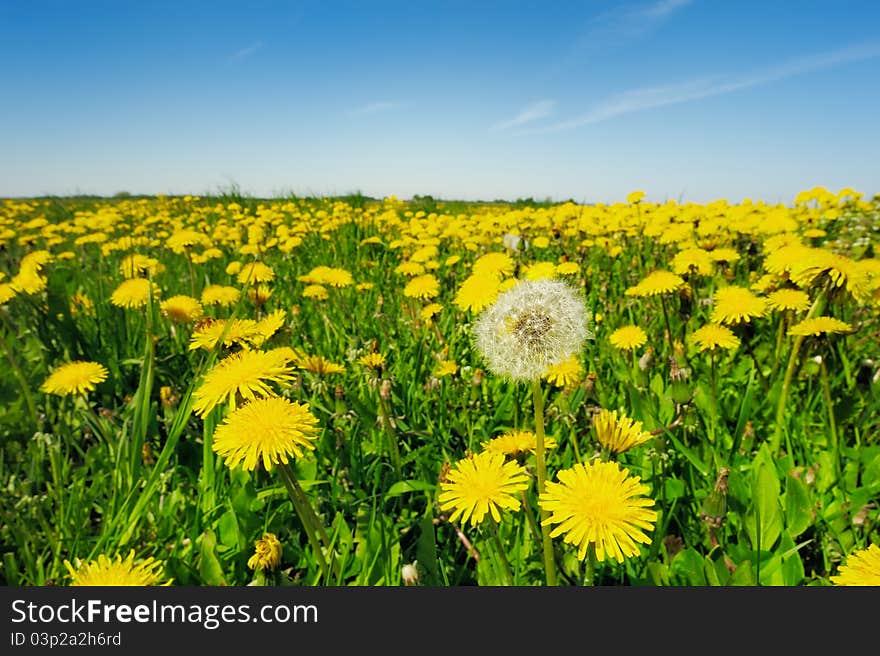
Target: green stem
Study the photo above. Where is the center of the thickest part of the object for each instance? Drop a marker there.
(306, 514)
(780, 338)
(499, 549)
(590, 565)
(714, 419)
(668, 326)
(541, 469)
(832, 424)
(776, 440)
(192, 274)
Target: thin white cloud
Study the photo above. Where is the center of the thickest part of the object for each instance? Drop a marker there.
(246, 52)
(661, 9)
(375, 107)
(620, 25)
(528, 114)
(641, 99)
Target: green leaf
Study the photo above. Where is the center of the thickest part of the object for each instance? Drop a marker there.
(744, 574)
(209, 566)
(426, 550)
(764, 521)
(688, 453)
(798, 509)
(792, 566)
(688, 563)
(403, 487)
(230, 536)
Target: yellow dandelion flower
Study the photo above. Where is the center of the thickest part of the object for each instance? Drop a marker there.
(76, 377)
(820, 326)
(133, 293)
(729, 255)
(452, 259)
(568, 268)
(318, 292)
(862, 567)
(241, 376)
(627, 338)
(7, 292)
(714, 336)
(319, 365)
(734, 304)
(483, 483)
(410, 268)
(477, 292)
(181, 309)
(81, 304)
(255, 272)
(635, 197)
(372, 360)
(656, 283)
(364, 286)
(424, 287)
(540, 242)
(496, 264)
(267, 553)
(619, 433)
(788, 299)
(599, 503)
(693, 260)
(117, 571)
(237, 331)
(268, 326)
(513, 443)
(446, 368)
(220, 295)
(566, 373)
(508, 283)
(336, 277)
(268, 430)
(540, 270)
(185, 239)
(136, 264)
(428, 312)
(28, 281)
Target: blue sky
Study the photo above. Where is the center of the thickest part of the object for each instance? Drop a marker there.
(693, 100)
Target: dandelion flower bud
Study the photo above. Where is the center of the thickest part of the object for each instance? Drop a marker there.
(531, 327)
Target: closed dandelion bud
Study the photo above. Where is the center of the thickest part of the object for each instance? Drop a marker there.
(385, 390)
(339, 399)
(680, 390)
(409, 574)
(590, 382)
(647, 359)
(714, 508)
(477, 378)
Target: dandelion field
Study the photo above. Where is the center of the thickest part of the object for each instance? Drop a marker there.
(358, 392)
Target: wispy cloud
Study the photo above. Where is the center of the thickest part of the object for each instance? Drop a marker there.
(244, 53)
(624, 24)
(374, 108)
(528, 114)
(644, 98)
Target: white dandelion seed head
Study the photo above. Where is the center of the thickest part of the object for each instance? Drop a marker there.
(531, 327)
